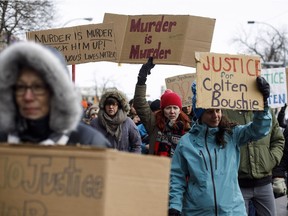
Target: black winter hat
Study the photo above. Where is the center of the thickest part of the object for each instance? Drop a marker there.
(155, 105)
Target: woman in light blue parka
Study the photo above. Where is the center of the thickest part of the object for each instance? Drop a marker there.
(204, 169)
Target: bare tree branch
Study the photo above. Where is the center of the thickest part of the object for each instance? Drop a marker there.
(268, 42)
(18, 17)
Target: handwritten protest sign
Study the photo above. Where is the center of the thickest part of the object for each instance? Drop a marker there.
(228, 81)
(60, 181)
(80, 44)
(181, 84)
(170, 39)
(278, 87)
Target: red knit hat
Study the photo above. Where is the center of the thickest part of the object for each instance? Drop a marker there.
(169, 98)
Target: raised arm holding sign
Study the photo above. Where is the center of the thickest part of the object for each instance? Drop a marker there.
(165, 126)
(220, 139)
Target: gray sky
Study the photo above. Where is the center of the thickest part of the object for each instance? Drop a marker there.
(231, 18)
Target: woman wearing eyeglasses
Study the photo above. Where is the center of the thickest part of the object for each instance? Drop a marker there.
(38, 101)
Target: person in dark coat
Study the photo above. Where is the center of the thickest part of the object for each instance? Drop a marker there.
(280, 172)
(115, 124)
(281, 117)
(38, 102)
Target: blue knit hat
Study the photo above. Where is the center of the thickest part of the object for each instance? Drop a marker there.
(197, 111)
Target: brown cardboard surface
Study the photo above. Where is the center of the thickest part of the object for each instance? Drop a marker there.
(80, 44)
(228, 81)
(170, 39)
(38, 180)
(181, 84)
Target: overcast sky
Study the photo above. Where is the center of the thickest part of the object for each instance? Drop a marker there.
(231, 18)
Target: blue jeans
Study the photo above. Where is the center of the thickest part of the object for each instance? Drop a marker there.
(252, 210)
(263, 199)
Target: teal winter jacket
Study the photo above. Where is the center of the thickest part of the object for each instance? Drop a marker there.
(204, 175)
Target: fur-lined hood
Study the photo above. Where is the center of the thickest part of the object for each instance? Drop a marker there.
(120, 96)
(65, 110)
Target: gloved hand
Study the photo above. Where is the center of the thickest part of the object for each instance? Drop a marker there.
(264, 88)
(174, 212)
(281, 117)
(283, 109)
(144, 71)
(279, 187)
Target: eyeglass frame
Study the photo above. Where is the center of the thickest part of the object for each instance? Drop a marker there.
(112, 104)
(21, 89)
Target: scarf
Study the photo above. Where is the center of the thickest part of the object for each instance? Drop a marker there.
(37, 131)
(167, 140)
(113, 125)
(33, 130)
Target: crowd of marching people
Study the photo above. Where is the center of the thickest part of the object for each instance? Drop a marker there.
(223, 162)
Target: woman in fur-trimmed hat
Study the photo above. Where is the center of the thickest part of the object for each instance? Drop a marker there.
(38, 101)
(166, 126)
(114, 124)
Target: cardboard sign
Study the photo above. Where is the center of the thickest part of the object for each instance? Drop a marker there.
(228, 81)
(278, 87)
(74, 181)
(170, 39)
(80, 44)
(181, 84)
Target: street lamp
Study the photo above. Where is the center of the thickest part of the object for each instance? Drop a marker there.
(280, 36)
(69, 21)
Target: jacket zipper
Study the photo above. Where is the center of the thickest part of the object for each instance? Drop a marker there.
(216, 160)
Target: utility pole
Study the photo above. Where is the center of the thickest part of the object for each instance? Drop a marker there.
(66, 23)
